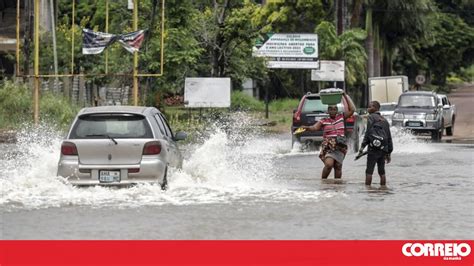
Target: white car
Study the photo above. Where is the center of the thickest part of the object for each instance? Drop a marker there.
(119, 145)
(387, 109)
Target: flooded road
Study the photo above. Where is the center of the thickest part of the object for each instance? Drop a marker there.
(250, 187)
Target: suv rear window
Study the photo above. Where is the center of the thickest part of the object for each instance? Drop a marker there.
(315, 105)
(95, 126)
(416, 101)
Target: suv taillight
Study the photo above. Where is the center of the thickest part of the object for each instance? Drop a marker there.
(297, 117)
(152, 148)
(68, 148)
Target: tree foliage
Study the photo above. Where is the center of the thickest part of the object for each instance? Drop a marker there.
(214, 38)
(347, 47)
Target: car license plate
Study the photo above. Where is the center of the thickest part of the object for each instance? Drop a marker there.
(414, 124)
(109, 176)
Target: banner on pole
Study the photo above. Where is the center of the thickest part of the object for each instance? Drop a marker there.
(95, 42)
(132, 41)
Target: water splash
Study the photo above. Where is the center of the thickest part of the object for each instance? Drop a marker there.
(233, 161)
(405, 142)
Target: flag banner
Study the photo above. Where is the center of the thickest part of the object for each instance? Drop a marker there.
(236, 252)
(95, 42)
(132, 41)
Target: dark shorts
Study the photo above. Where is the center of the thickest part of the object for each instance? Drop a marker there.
(375, 157)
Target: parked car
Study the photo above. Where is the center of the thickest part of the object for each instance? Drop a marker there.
(420, 112)
(449, 114)
(310, 110)
(119, 145)
(387, 109)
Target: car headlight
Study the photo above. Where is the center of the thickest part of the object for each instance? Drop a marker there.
(430, 117)
(397, 116)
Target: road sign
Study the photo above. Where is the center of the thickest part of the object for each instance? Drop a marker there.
(207, 92)
(329, 71)
(420, 79)
(289, 50)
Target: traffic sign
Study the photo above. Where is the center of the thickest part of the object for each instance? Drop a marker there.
(420, 79)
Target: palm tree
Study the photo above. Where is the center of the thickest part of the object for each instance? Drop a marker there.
(348, 47)
(392, 22)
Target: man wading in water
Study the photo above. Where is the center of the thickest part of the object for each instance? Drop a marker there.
(334, 147)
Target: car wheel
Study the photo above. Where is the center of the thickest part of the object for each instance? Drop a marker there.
(164, 184)
(450, 130)
(294, 140)
(436, 135)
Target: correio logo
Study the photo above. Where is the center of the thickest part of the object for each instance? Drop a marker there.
(447, 250)
(309, 50)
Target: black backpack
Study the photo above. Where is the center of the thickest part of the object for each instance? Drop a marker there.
(378, 139)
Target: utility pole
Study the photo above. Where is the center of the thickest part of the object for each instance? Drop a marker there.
(135, 55)
(36, 64)
(55, 54)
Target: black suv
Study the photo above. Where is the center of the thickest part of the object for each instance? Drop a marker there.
(311, 110)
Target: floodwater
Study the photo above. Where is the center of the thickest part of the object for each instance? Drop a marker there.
(242, 184)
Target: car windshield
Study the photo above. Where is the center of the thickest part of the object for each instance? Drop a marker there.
(314, 105)
(416, 101)
(387, 107)
(111, 126)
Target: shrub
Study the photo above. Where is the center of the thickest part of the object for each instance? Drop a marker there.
(16, 106)
(242, 101)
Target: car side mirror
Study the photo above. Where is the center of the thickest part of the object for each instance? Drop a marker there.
(180, 136)
(440, 105)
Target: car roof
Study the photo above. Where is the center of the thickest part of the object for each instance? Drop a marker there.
(311, 95)
(430, 93)
(115, 109)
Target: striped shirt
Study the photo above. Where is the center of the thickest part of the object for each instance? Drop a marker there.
(333, 127)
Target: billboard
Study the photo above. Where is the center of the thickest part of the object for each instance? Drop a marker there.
(329, 71)
(289, 50)
(207, 92)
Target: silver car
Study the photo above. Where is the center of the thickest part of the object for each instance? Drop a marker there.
(119, 145)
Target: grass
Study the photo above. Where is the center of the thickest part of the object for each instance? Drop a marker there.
(16, 107)
(279, 115)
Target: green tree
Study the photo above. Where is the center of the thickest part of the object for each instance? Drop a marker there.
(451, 47)
(347, 47)
(388, 24)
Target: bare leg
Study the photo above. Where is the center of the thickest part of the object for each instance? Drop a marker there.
(368, 180)
(337, 170)
(328, 165)
(382, 180)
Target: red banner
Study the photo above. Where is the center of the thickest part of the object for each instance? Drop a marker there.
(344, 252)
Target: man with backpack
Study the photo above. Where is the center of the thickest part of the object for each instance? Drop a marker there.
(379, 141)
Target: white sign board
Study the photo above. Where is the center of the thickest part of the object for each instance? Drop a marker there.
(329, 71)
(289, 50)
(207, 92)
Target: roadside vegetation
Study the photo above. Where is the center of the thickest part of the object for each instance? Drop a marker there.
(16, 110)
(215, 39)
(16, 107)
